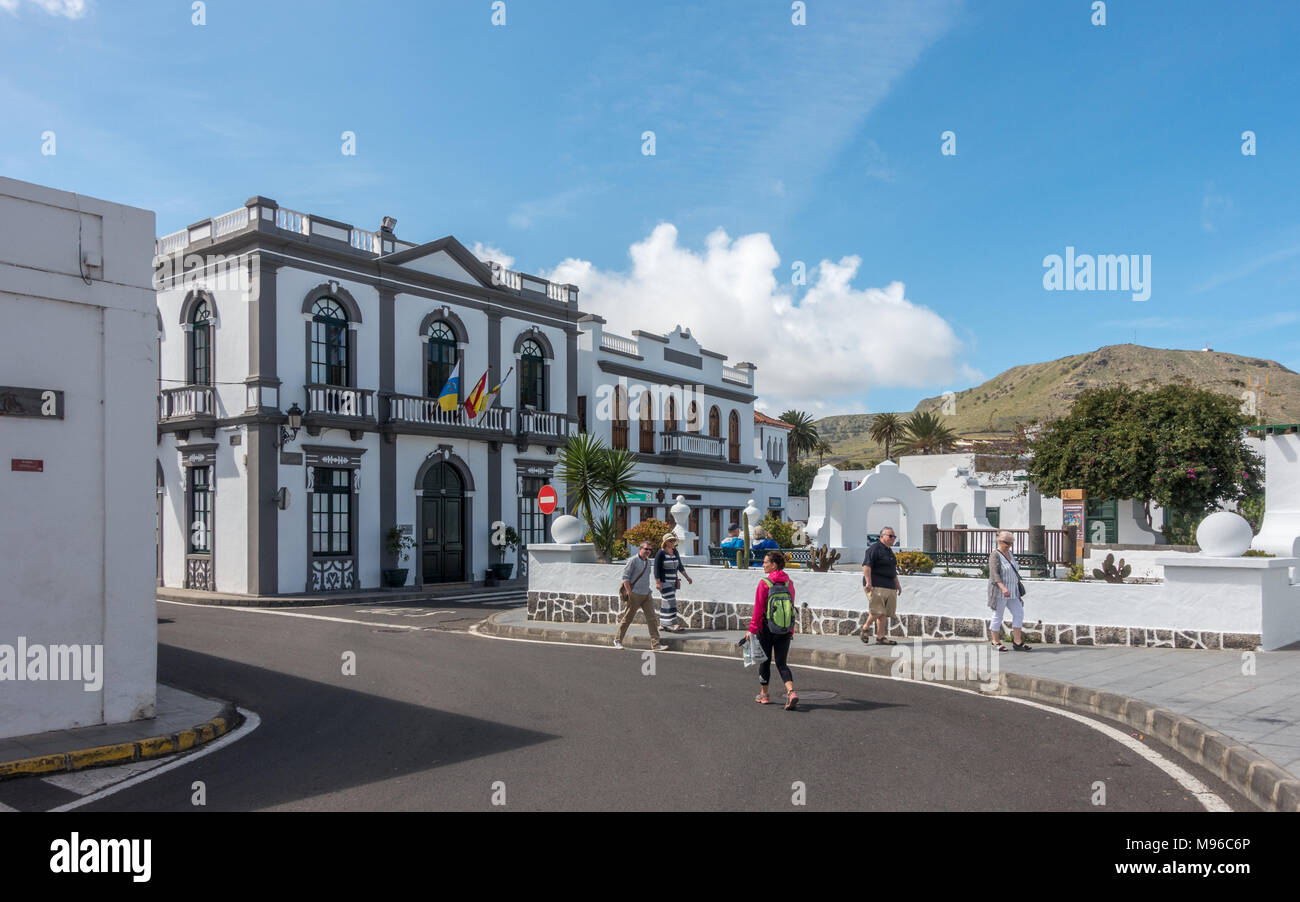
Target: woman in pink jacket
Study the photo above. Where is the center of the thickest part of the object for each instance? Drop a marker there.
(775, 632)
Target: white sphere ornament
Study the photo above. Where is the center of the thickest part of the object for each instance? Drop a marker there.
(1224, 534)
(567, 529)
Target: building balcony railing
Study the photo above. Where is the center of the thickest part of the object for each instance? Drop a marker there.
(336, 401)
(611, 342)
(694, 443)
(736, 376)
(187, 402)
(421, 411)
(541, 424)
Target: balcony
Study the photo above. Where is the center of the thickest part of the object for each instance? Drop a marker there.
(336, 407)
(620, 345)
(418, 415)
(693, 444)
(543, 428)
(188, 407)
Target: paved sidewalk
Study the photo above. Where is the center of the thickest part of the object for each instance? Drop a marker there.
(182, 722)
(1261, 711)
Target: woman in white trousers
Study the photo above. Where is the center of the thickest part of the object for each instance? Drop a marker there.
(1004, 593)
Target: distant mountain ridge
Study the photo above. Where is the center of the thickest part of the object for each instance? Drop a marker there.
(1042, 391)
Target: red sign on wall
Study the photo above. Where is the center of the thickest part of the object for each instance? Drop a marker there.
(547, 499)
(25, 465)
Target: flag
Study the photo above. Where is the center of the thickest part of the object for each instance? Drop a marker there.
(450, 395)
(476, 401)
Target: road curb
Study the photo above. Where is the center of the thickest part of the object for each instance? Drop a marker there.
(1241, 767)
(126, 752)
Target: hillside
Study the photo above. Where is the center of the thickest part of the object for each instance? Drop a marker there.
(1043, 391)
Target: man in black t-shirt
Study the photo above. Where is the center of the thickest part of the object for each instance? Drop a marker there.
(880, 582)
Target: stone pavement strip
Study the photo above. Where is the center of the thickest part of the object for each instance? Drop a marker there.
(183, 721)
(1235, 713)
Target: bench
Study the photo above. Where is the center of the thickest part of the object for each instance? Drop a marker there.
(975, 560)
(794, 557)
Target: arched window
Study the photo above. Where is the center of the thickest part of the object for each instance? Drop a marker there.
(647, 425)
(532, 376)
(715, 422)
(440, 358)
(692, 417)
(329, 344)
(670, 415)
(733, 443)
(620, 421)
(201, 336)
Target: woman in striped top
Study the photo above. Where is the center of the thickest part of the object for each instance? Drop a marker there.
(668, 567)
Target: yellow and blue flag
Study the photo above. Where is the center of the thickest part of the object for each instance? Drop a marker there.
(450, 396)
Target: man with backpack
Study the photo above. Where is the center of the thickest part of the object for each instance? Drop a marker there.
(773, 626)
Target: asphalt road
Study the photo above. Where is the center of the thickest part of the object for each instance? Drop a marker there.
(436, 718)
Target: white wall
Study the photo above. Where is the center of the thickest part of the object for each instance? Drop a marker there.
(78, 566)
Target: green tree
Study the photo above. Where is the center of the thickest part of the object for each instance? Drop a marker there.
(799, 480)
(924, 433)
(803, 437)
(1179, 446)
(596, 477)
(887, 429)
(822, 448)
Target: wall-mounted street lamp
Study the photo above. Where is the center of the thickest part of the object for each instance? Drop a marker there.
(295, 423)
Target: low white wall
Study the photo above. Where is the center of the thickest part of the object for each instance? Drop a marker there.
(1144, 561)
(1216, 606)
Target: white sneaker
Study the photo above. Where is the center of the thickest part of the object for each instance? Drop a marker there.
(618, 644)
(659, 647)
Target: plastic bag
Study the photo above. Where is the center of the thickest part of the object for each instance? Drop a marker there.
(754, 653)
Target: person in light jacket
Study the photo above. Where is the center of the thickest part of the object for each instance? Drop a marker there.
(1004, 593)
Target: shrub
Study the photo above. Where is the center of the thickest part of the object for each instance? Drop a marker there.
(1255, 552)
(652, 531)
(910, 562)
(781, 533)
(1075, 573)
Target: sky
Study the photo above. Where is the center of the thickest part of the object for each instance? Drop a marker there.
(864, 205)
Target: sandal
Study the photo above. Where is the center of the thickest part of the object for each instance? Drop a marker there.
(882, 641)
(791, 701)
(998, 646)
(1022, 646)
(763, 699)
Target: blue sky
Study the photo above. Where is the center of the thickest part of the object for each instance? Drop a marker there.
(774, 144)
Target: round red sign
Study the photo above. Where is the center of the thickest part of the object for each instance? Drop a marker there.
(547, 499)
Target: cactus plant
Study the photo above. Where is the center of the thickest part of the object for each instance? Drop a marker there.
(742, 553)
(1112, 573)
(823, 559)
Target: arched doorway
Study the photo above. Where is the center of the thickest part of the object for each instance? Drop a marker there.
(442, 525)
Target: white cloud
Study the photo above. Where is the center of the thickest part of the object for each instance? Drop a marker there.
(556, 206)
(1214, 207)
(832, 347)
(69, 9)
(487, 253)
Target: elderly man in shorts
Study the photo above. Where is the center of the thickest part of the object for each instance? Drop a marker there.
(880, 582)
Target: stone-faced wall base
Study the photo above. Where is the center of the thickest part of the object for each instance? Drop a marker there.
(566, 607)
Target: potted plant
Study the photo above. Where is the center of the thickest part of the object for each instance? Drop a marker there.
(398, 544)
(508, 540)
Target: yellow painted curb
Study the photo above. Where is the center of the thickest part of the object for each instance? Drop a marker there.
(124, 752)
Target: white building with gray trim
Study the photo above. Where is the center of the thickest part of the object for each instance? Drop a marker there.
(265, 313)
(688, 417)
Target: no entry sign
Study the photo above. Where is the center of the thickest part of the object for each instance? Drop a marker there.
(547, 499)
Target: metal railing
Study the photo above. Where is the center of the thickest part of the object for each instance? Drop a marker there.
(341, 402)
(427, 412)
(611, 342)
(983, 541)
(187, 401)
(694, 443)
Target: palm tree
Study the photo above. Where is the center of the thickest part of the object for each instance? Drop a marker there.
(597, 478)
(924, 433)
(822, 448)
(886, 428)
(803, 437)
